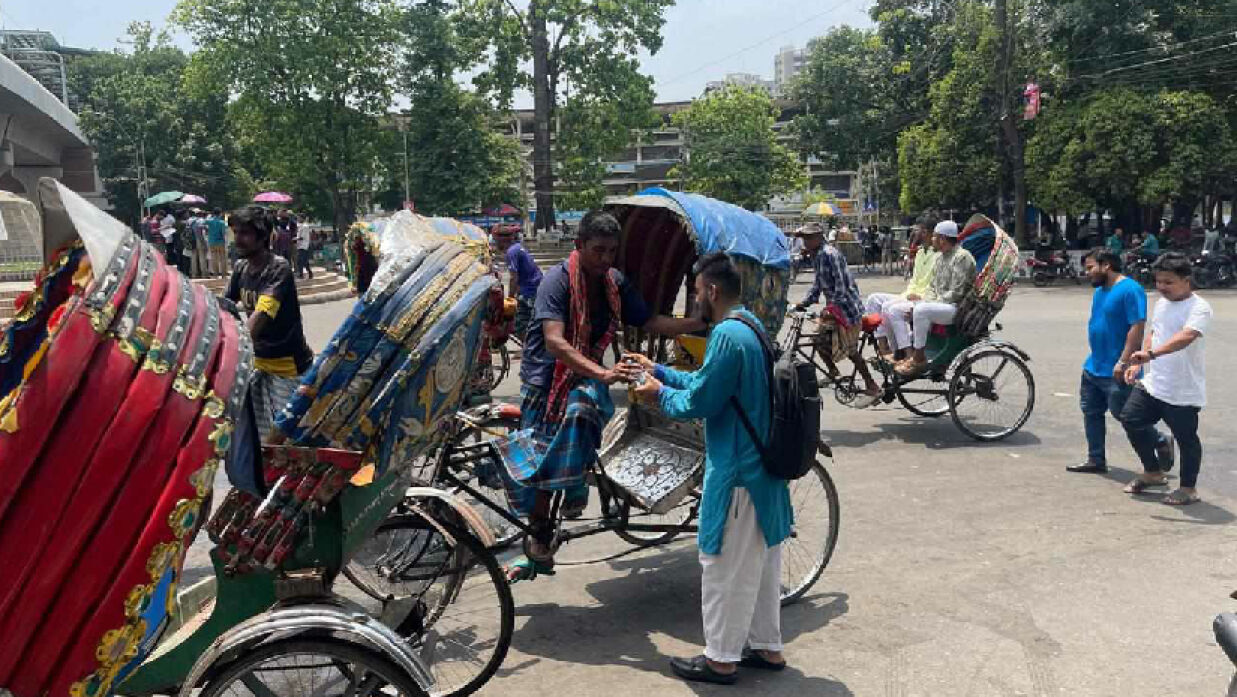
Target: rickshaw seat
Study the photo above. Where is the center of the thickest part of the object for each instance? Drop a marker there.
(871, 322)
(942, 330)
(510, 411)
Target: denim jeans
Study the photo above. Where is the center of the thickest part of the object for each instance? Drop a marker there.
(1142, 412)
(1097, 396)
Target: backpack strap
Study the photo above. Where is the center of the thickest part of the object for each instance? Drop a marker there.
(767, 348)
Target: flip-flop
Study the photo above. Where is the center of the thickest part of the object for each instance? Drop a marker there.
(1138, 486)
(864, 400)
(1179, 498)
(527, 570)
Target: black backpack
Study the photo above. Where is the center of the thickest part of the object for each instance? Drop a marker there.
(794, 394)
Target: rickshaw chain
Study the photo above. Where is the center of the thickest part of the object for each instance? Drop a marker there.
(618, 555)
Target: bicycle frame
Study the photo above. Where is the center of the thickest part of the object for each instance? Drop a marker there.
(454, 457)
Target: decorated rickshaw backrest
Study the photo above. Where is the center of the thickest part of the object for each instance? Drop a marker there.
(996, 258)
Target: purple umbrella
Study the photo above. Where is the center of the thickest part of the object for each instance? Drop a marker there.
(272, 197)
(192, 198)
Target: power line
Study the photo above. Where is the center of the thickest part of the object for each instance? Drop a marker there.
(762, 42)
(1159, 61)
(1169, 47)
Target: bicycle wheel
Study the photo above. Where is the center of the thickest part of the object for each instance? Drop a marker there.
(680, 516)
(448, 596)
(991, 395)
(929, 405)
(320, 667)
(810, 546)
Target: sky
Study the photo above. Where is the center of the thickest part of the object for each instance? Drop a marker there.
(702, 39)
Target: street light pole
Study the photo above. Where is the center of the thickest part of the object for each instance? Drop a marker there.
(407, 190)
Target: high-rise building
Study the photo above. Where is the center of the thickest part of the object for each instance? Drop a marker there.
(742, 80)
(787, 65)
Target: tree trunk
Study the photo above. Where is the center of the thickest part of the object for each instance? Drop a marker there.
(543, 102)
(1009, 126)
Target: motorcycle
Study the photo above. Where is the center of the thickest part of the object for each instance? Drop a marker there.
(1138, 267)
(1044, 272)
(1213, 270)
(1225, 628)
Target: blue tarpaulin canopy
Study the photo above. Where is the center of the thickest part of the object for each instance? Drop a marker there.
(721, 226)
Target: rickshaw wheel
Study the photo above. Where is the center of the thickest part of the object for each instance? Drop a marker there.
(430, 588)
(991, 395)
(807, 551)
(680, 516)
(328, 667)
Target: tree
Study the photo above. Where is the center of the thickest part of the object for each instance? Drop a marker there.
(732, 151)
(136, 112)
(313, 81)
(458, 161)
(588, 44)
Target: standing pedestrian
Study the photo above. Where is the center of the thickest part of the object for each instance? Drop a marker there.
(1114, 333)
(304, 243)
(525, 276)
(745, 512)
(167, 237)
(1174, 389)
(197, 230)
(285, 235)
(216, 240)
(263, 286)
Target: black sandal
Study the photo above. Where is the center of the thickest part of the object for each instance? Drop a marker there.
(698, 670)
(753, 659)
(1139, 485)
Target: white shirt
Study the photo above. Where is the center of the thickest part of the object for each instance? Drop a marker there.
(167, 227)
(1178, 378)
(304, 237)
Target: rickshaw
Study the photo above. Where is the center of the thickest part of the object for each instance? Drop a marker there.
(650, 468)
(102, 577)
(982, 382)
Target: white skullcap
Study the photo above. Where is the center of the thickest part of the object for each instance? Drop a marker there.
(947, 228)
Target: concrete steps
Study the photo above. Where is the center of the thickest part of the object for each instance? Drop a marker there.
(326, 286)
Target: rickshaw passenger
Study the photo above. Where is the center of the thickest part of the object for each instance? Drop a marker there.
(954, 274)
(916, 289)
(840, 320)
(565, 397)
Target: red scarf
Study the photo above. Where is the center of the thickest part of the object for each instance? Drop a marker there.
(577, 332)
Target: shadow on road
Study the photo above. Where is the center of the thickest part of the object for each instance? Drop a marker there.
(1200, 513)
(933, 433)
(659, 594)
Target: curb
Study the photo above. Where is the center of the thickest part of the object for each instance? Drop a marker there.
(329, 296)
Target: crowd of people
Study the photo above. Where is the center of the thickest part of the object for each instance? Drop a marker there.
(201, 245)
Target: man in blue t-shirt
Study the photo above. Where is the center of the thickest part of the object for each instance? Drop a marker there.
(1115, 331)
(525, 276)
(565, 387)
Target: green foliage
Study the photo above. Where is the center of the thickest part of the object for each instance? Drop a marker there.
(1121, 146)
(576, 56)
(313, 80)
(134, 103)
(733, 153)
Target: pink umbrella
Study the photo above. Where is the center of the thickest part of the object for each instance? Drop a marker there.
(272, 197)
(192, 198)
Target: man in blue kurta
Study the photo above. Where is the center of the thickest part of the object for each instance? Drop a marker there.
(745, 512)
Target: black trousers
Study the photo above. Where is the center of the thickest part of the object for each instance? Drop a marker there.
(1142, 412)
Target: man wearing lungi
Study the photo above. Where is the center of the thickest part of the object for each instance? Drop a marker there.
(745, 512)
(839, 322)
(565, 396)
(262, 284)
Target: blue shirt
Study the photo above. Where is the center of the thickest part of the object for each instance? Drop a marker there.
(834, 280)
(215, 228)
(554, 303)
(521, 263)
(1113, 311)
(734, 364)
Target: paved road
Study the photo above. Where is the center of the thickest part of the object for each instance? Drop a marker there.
(962, 569)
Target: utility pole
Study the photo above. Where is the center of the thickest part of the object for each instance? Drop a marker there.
(1008, 122)
(407, 189)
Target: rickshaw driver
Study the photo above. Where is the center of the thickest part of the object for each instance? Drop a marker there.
(564, 393)
(840, 320)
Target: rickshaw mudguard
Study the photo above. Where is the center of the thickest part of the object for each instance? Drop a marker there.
(287, 622)
(983, 345)
(476, 524)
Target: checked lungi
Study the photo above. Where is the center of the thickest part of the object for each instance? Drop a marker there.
(835, 340)
(270, 394)
(554, 457)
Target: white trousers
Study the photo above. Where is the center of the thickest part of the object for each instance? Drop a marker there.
(897, 316)
(740, 588)
(928, 314)
(876, 303)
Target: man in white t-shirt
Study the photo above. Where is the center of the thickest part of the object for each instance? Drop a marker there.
(1174, 389)
(304, 240)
